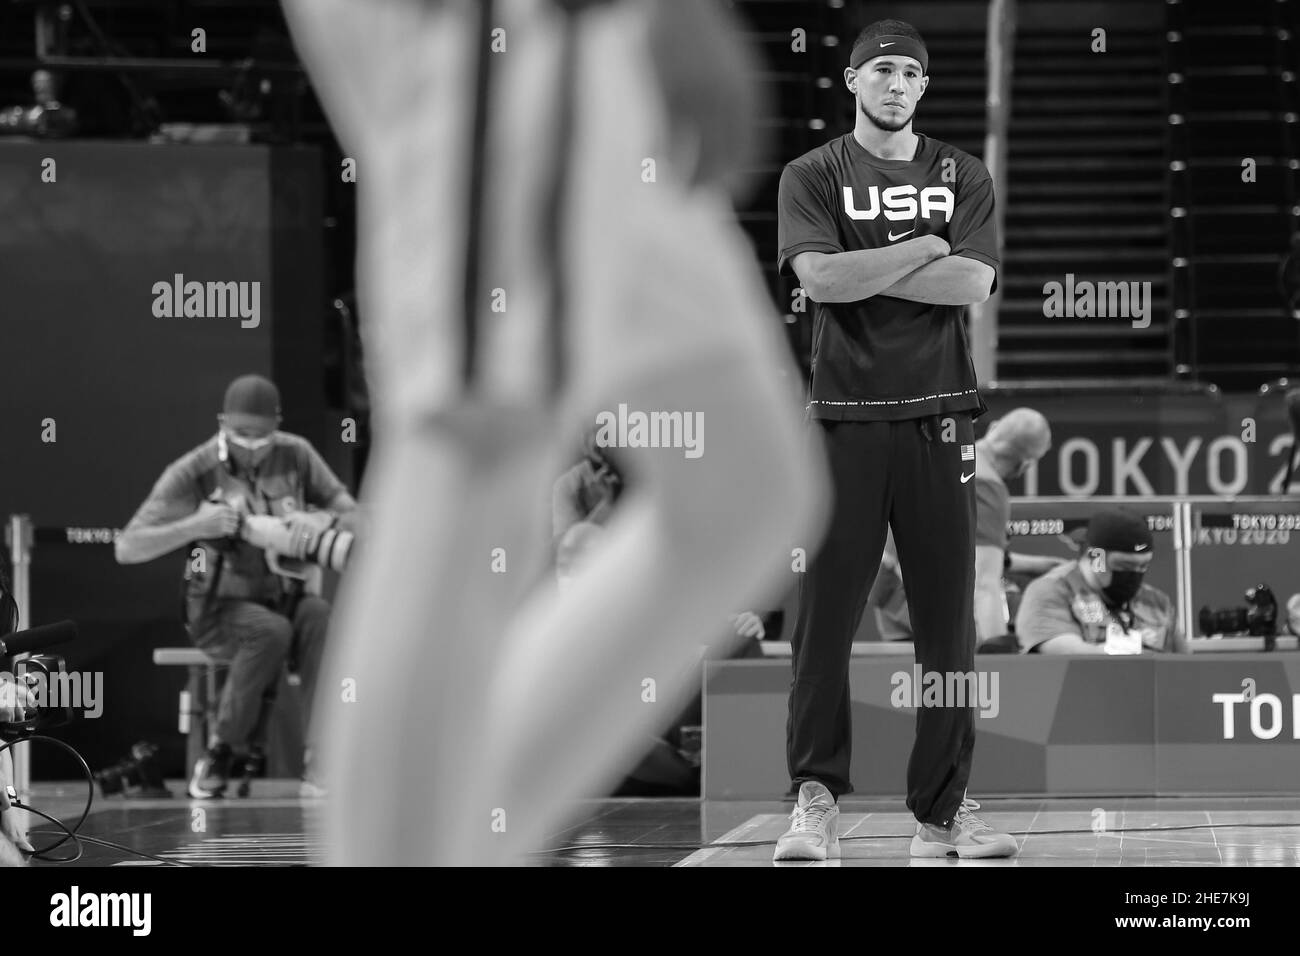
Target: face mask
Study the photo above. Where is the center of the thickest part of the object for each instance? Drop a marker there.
(249, 444)
(246, 452)
(1123, 586)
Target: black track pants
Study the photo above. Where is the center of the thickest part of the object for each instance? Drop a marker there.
(907, 476)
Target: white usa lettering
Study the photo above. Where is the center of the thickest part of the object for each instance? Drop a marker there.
(900, 203)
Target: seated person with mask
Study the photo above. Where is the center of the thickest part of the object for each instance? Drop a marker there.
(245, 495)
(1099, 603)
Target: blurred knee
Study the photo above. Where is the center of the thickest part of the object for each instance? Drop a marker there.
(764, 492)
(750, 479)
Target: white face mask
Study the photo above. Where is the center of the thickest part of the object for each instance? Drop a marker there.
(252, 451)
(249, 444)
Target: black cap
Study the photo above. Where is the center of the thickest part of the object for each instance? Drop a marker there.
(1117, 529)
(252, 395)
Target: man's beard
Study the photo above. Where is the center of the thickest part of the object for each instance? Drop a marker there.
(881, 123)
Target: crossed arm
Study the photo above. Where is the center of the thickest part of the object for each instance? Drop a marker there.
(920, 270)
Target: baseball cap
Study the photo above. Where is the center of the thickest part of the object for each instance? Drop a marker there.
(1117, 529)
(252, 395)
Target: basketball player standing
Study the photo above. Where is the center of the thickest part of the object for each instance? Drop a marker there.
(891, 234)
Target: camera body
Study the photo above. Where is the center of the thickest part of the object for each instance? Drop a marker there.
(1258, 618)
(136, 774)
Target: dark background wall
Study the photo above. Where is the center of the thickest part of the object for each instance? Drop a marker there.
(129, 392)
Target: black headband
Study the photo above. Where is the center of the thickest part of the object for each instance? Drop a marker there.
(887, 45)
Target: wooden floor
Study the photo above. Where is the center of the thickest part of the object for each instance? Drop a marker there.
(275, 828)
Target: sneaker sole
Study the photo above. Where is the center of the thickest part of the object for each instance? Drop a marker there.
(205, 794)
(924, 848)
(805, 851)
(986, 851)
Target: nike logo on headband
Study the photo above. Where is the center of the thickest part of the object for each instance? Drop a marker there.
(890, 43)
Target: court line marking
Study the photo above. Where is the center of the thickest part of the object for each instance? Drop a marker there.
(745, 830)
(734, 835)
(738, 834)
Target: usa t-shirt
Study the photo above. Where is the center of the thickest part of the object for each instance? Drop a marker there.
(885, 358)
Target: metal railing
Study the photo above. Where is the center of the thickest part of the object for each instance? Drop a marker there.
(999, 55)
(1178, 191)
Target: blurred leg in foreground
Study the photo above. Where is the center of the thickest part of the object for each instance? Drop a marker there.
(465, 710)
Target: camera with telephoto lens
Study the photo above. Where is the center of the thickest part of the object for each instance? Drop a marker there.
(1258, 618)
(292, 553)
(137, 774)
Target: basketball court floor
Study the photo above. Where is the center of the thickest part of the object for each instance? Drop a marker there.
(276, 828)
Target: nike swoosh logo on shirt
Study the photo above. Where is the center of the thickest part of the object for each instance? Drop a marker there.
(1139, 547)
(966, 478)
(895, 238)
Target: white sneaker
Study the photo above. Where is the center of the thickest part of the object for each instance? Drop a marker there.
(814, 827)
(211, 774)
(969, 837)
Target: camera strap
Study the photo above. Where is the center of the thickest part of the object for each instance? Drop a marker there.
(218, 566)
(209, 595)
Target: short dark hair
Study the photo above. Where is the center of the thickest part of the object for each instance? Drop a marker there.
(889, 28)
